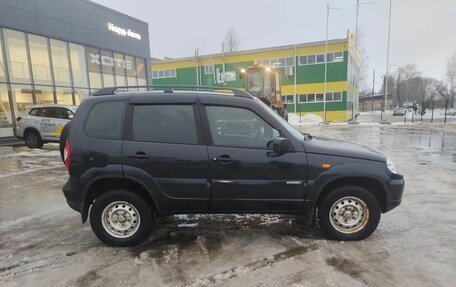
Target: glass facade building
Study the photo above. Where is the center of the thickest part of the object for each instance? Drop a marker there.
(41, 70)
(58, 52)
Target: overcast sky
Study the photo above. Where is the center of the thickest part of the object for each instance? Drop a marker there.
(422, 31)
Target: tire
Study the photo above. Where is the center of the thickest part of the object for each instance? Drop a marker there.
(63, 138)
(360, 219)
(33, 139)
(137, 221)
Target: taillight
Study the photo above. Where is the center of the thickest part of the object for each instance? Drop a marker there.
(18, 119)
(67, 155)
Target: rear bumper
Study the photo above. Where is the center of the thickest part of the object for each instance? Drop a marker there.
(73, 191)
(395, 191)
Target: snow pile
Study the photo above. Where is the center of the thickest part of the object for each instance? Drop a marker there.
(305, 120)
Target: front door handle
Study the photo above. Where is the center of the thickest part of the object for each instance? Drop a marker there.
(139, 155)
(223, 159)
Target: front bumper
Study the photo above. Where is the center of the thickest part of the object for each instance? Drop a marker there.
(395, 191)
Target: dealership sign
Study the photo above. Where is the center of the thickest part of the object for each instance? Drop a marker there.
(97, 59)
(123, 31)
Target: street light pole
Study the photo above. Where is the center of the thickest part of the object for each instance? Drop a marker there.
(326, 60)
(387, 56)
(326, 56)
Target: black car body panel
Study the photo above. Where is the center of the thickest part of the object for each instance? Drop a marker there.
(203, 177)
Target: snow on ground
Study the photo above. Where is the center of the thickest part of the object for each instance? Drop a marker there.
(43, 243)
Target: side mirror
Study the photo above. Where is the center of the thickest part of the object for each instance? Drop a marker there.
(70, 117)
(280, 145)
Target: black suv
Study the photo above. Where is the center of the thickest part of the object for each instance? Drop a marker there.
(135, 155)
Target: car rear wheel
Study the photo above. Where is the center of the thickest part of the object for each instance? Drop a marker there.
(349, 213)
(121, 218)
(33, 139)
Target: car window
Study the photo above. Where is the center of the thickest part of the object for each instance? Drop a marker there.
(34, 111)
(238, 127)
(47, 112)
(63, 113)
(105, 120)
(164, 123)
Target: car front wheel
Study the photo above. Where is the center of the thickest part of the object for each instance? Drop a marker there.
(121, 218)
(349, 213)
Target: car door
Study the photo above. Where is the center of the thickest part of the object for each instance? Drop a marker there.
(45, 122)
(245, 173)
(62, 116)
(164, 148)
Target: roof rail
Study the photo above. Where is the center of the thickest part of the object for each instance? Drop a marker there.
(171, 89)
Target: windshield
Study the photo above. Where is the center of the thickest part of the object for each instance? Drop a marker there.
(296, 133)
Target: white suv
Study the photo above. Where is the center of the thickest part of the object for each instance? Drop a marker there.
(40, 124)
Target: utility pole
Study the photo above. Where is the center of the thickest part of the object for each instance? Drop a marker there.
(373, 90)
(326, 57)
(387, 56)
(223, 64)
(358, 3)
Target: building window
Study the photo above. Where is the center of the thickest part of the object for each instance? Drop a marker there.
(78, 65)
(23, 97)
(16, 56)
(120, 65)
(2, 63)
(278, 62)
(94, 66)
(107, 67)
(302, 60)
(169, 73)
(132, 79)
(310, 98)
(320, 58)
(303, 98)
(59, 53)
(6, 118)
(335, 57)
(288, 99)
(337, 96)
(319, 97)
(141, 68)
(39, 55)
(64, 96)
(80, 95)
(44, 95)
(311, 59)
(209, 70)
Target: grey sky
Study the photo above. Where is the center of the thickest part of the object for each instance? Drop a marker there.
(423, 31)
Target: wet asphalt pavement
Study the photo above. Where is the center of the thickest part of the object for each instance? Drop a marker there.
(43, 243)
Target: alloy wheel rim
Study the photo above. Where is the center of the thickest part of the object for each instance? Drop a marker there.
(32, 139)
(349, 215)
(120, 219)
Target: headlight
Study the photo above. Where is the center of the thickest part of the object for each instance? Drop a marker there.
(391, 166)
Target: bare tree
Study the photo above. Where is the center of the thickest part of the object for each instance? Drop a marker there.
(232, 40)
(451, 79)
(427, 92)
(364, 86)
(402, 75)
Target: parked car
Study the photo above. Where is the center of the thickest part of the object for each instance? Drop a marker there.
(135, 155)
(40, 124)
(399, 111)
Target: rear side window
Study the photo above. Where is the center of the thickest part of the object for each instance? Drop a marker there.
(105, 120)
(164, 123)
(34, 111)
(47, 112)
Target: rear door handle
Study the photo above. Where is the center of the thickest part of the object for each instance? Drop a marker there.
(139, 155)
